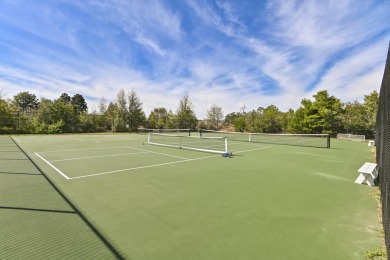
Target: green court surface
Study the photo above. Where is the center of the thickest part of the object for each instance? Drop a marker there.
(267, 201)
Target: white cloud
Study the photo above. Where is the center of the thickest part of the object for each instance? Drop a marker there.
(230, 26)
(151, 44)
(148, 24)
(219, 62)
(275, 63)
(357, 74)
(328, 25)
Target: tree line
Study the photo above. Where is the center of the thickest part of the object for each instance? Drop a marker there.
(25, 113)
(324, 115)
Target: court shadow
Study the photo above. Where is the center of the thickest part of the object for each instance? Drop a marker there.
(40, 210)
(14, 159)
(21, 173)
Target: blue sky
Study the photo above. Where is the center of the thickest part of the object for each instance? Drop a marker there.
(228, 53)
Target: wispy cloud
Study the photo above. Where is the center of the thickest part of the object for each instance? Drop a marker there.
(225, 22)
(357, 74)
(328, 25)
(151, 25)
(219, 52)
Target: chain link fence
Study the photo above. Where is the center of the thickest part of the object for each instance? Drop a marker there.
(383, 149)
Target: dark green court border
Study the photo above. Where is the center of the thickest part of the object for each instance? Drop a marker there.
(114, 251)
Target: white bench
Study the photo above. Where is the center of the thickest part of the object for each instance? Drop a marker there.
(368, 173)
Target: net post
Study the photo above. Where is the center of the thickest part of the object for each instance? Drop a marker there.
(149, 138)
(328, 141)
(250, 137)
(200, 132)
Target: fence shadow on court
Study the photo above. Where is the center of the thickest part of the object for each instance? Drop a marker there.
(38, 221)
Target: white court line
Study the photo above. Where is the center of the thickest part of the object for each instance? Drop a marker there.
(141, 167)
(17, 139)
(158, 153)
(97, 156)
(40, 139)
(66, 177)
(85, 149)
(255, 149)
(318, 155)
(161, 164)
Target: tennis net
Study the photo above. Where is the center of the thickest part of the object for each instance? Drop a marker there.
(164, 131)
(203, 144)
(310, 140)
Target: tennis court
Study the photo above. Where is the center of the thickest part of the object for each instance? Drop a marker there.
(268, 201)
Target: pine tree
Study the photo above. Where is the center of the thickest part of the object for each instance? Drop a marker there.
(186, 118)
(136, 114)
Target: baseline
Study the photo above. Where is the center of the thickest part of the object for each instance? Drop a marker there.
(142, 167)
(183, 159)
(318, 155)
(254, 149)
(84, 149)
(141, 151)
(96, 156)
(51, 165)
(158, 153)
